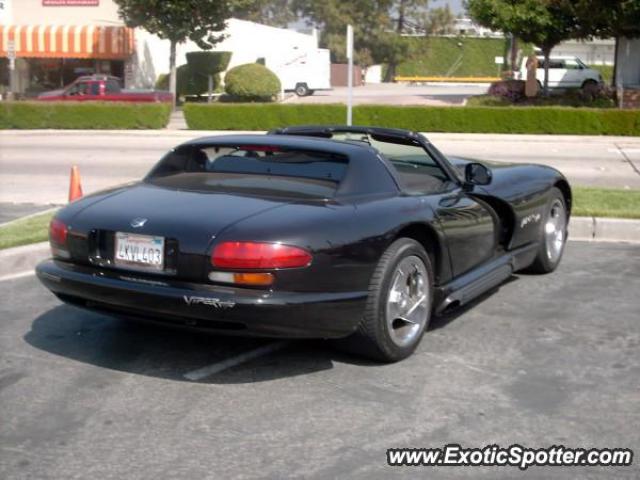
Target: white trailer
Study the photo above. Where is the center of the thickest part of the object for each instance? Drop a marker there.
(302, 72)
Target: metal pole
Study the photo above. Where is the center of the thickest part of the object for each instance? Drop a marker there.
(349, 74)
(11, 55)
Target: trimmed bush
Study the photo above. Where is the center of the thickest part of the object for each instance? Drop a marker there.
(208, 63)
(252, 82)
(83, 115)
(537, 120)
(187, 82)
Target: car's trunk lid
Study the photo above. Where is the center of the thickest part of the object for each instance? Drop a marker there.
(188, 221)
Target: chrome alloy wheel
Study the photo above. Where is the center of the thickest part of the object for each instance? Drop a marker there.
(408, 301)
(554, 230)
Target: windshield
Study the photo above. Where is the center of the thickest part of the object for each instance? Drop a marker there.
(251, 169)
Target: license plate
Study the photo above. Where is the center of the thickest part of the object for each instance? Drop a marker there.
(141, 252)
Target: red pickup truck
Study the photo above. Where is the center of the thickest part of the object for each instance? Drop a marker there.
(103, 88)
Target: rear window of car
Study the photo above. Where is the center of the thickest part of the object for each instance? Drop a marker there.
(251, 169)
(554, 63)
(417, 170)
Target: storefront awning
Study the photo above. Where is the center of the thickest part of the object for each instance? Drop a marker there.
(67, 41)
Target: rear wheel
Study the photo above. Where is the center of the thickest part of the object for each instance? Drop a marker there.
(553, 236)
(302, 89)
(399, 304)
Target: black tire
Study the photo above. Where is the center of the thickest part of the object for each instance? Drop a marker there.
(590, 89)
(543, 263)
(302, 89)
(373, 339)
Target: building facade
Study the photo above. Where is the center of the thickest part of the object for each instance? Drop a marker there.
(51, 42)
(46, 44)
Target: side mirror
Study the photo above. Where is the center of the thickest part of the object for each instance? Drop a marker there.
(477, 174)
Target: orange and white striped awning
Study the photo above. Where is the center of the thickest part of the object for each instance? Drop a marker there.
(67, 41)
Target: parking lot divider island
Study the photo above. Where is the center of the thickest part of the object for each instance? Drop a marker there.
(85, 115)
(523, 120)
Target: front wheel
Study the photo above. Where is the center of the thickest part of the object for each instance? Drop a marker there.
(590, 89)
(399, 304)
(553, 236)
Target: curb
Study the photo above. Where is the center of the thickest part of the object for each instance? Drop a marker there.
(597, 229)
(591, 229)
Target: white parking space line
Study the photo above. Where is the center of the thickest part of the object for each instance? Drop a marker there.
(14, 276)
(209, 370)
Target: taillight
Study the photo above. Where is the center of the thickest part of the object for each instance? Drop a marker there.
(58, 232)
(257, 255)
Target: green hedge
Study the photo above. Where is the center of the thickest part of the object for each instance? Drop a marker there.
(263, 116)
(85, 115)
(539, 120)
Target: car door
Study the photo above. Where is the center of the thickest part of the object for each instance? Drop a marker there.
(469, 225)
(93, 91)
(573, 73)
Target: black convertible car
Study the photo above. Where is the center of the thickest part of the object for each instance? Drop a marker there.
(325, 232)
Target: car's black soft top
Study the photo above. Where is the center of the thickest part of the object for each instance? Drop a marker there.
(367, 172)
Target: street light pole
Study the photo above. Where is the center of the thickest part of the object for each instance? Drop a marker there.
(350, 75)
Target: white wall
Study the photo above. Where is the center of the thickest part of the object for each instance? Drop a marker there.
(247, 40)
(373, 74)
(597, 52)
(6, 11)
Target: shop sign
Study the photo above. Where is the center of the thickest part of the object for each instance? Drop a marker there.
(70, 3)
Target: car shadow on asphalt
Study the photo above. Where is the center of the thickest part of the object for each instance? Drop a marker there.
(448, 316)
(170, 353)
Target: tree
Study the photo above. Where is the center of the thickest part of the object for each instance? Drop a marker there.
(277, 13)
(544, 23)
(377, 25)
(370, 20)
(178, 21)
(439, 21)
(394, 49)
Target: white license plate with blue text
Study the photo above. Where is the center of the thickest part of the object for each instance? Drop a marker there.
(143, 252)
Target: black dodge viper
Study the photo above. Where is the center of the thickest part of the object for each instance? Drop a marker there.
(308, 232)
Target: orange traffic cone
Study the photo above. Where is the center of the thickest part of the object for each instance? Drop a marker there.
(75, 189)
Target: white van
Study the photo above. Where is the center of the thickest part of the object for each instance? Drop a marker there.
(564, 72)
(302, 72)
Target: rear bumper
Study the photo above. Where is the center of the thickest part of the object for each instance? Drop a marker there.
(205, 307)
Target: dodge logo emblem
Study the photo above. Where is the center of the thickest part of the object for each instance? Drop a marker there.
(138, 222)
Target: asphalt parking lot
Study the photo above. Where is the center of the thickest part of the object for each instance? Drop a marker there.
(542, 360)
